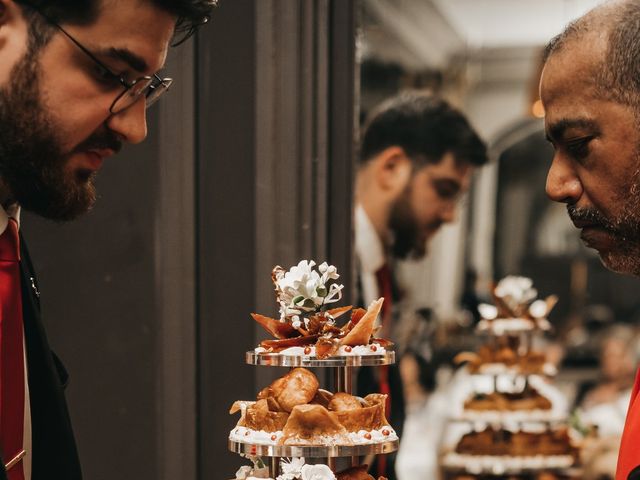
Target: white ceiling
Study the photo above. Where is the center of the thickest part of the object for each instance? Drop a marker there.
(427, 33)
(509, 23)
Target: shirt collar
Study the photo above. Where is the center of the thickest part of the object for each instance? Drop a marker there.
(12, 212)
(368, 245)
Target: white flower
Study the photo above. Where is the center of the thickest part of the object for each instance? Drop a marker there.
(487, 311)
(317, 472)
(538, 309)
(516, 291)
(303, 289)
(293, 466)
(295, 321)
(334, 291)
(329, 272)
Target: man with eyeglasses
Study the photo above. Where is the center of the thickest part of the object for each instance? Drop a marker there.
(76, 77)
(417, 156)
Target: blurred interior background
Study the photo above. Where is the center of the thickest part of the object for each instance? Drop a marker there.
(250, 163)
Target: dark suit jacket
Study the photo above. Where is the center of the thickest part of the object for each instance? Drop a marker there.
(635, 474)
(54, 454)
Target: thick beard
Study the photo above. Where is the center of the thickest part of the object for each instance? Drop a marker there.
(625, 228)
(32, 163)
(408, 242)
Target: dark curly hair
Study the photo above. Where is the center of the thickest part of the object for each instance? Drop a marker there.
(190, 14)
(426, 127)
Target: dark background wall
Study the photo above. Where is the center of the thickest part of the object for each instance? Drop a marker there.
(146, 299)
(96, 278)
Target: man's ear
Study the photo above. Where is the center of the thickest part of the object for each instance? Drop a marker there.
(14, 36)
(392, 170)
(8, 11)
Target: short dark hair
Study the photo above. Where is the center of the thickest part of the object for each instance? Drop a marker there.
(190, 14)
(617, 78)
(425, 127)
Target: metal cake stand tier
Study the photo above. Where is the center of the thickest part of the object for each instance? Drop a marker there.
(497, 418)
(318, 451)
(571, 472)
(500, 465)
(277, 360)
(343, 373)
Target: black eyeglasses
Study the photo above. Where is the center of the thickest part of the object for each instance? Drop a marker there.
(149, 88)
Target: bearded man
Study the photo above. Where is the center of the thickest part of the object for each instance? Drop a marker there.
(417, 157)
(76, 77)
(590, 89)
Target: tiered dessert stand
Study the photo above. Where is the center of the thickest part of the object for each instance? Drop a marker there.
(458, 465)
(343, 370)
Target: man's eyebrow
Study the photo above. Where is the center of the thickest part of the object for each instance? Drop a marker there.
(557, 129)
(134, 61)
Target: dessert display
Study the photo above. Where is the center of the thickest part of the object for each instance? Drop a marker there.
(503, 355)
(516, 308)
(527, 399)
(502, 442)
(308, 327)
(294, 429)
(512, 427)
(293, 410)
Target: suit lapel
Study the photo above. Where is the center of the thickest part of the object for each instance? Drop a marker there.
(54, 448)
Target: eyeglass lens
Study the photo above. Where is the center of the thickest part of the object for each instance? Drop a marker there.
(151, 88)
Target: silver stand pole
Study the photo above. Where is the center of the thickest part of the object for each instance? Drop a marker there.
(274, 467)
(343, 377)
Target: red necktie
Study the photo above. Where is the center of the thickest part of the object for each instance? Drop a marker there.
(385, 288)
(11, 353)
(629, 456)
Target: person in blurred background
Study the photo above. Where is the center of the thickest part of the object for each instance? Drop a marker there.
(591, 96)
(417, 156)
(605, 403)
(75, 80)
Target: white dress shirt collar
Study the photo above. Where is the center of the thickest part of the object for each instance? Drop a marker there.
(12, 212)
(369, 247)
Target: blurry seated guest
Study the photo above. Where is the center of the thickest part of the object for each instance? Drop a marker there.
(418, 379)
(605, 404)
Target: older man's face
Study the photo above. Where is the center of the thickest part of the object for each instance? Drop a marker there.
(595, 169)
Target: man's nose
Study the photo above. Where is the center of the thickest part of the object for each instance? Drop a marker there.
(563, 184)
(131, 123)
(448, 212)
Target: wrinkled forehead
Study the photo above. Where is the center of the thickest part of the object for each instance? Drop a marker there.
(575, 65)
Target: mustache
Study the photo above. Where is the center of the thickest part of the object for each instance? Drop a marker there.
(590, 215)
(100, 140)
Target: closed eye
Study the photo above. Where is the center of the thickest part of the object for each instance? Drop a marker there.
(578, 148)
(106, 77)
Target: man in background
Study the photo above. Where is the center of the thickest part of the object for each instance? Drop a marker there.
(417, 157)
(76, 78)
(590, 89)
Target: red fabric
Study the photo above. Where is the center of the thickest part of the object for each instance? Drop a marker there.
(629, 456)
(11, 351)
(385, 289)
